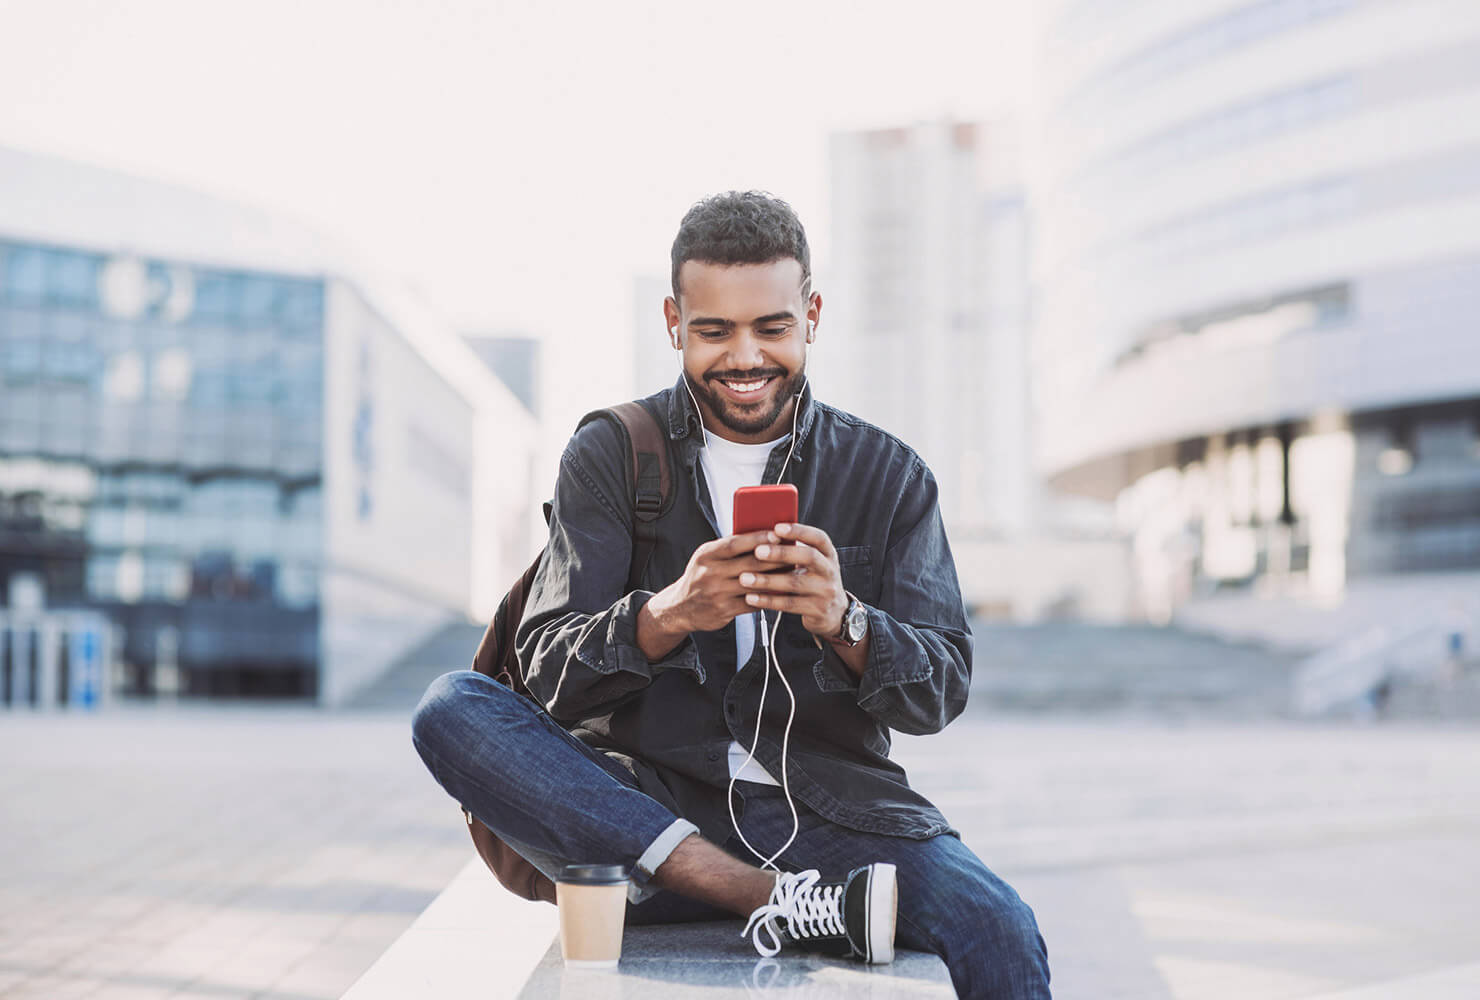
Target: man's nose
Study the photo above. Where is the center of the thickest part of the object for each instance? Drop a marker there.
(746, 352)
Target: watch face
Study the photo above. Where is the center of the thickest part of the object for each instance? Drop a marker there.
(857, 621)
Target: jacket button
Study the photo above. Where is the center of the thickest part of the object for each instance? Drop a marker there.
(714, 755)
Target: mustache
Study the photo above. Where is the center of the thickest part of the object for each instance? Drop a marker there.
(750, 376)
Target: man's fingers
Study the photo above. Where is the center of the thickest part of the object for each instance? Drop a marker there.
(793, 604)
(803, 556)
(730, 569)
(724, 609)
(815, 537)
(783, 583)
(733, 545)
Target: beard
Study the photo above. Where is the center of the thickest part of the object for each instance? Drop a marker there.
(758, 416)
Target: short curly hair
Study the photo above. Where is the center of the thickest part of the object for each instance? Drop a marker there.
(741, 227)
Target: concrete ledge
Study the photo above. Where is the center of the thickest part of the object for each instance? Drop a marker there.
(674, 961)
(452, 951)
(476, 939)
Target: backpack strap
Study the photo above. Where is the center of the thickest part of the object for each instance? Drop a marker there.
(652, 486)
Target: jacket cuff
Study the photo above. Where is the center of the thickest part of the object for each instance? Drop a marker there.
(624, 653)
(884, 669)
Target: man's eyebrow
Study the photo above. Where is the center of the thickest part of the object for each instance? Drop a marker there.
(729, 323)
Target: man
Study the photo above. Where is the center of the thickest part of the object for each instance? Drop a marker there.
(681, 770)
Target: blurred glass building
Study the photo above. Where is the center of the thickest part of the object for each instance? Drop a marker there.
(260, 469)
(1257, 277)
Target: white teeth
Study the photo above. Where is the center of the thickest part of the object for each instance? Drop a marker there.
(746, 386)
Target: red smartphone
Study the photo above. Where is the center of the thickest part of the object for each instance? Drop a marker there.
(761, 508)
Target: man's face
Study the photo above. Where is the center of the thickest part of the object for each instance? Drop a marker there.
(743, 328)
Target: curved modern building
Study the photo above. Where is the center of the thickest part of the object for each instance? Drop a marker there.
(1257, 284)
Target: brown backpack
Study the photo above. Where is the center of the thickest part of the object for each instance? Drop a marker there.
(496, 656)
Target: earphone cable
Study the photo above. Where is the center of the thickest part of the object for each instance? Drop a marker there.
(768, 640)
(772, 663)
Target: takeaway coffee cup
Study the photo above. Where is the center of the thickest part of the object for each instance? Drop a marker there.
(593, 906)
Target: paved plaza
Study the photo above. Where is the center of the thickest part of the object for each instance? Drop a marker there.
(1217, 861)
(276, 852)
(212, 852)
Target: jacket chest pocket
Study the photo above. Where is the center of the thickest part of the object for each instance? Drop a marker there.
(857, 567)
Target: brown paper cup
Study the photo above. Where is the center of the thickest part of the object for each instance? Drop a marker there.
(593, 909)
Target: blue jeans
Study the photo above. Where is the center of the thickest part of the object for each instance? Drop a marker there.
(555, 800)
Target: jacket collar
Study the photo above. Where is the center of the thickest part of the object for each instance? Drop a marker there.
(684, 423)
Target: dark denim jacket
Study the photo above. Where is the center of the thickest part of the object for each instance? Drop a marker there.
(671, 722)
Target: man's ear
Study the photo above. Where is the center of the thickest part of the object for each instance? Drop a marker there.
(671, 320)
(814, 315)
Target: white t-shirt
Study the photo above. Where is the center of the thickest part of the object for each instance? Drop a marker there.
(728, 466)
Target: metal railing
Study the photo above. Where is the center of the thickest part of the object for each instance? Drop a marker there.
(55, 659)
(1356, 674)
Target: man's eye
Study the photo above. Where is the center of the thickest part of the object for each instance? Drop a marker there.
(710, 334)
(774, 331)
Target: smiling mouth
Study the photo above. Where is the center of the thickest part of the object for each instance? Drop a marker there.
(746, 387)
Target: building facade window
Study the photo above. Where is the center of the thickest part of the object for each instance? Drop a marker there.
(196, 416)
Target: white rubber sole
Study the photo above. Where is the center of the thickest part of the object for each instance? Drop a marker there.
(883, 906)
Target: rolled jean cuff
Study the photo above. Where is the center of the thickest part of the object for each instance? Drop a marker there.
(656, 853)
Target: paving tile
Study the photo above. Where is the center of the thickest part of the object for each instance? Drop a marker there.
(193, 868)
(1164, 858)
(121, 990)
(327, 973)
(54, 987)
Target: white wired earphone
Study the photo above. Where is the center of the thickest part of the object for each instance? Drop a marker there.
(768, 640)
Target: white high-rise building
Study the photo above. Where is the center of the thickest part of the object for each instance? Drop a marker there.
(925, 333)
(925, 308)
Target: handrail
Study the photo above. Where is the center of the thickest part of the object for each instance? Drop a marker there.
(1353, 672)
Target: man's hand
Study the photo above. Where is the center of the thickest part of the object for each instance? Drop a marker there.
(707, 597)
(814, 590)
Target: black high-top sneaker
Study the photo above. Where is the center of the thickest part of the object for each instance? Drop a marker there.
(853, 917)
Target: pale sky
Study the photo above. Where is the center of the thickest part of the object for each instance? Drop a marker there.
(517, 162)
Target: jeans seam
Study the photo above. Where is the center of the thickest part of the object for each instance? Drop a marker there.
(929, 938)
(526, 812)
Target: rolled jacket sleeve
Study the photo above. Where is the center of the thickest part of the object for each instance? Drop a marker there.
(918, 674)
(577, 641)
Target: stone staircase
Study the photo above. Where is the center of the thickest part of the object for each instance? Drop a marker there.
(402, 684)
(1074, 667)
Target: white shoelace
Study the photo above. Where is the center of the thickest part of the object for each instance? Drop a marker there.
(810, 910)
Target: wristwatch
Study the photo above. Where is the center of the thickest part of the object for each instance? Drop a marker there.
(855, 623)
